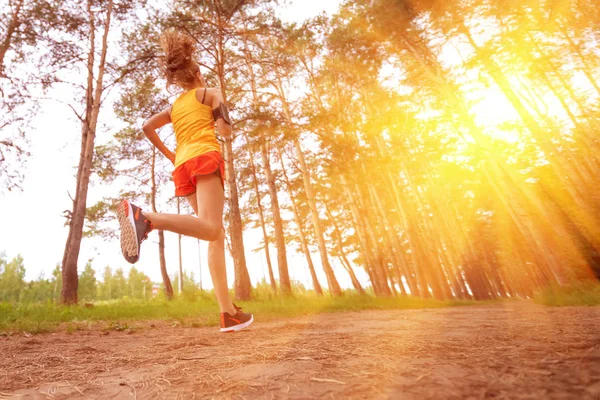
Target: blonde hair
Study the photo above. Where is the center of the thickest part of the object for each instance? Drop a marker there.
(178, 66)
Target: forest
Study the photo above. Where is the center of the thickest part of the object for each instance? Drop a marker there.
(448, 149)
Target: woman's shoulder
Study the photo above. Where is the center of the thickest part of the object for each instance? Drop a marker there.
(207, 95)
(214, 91)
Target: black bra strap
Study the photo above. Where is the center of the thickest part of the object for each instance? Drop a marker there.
(204, 96)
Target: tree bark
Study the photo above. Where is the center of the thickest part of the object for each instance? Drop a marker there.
(371, 259)
(282, 265)
(180, 283)
(15, 21)
(342, 256)
(284, 278)
(242, 285)
(334, 286)
(163, 262)
(161, 235)
(355, 282)
(303, 241)
(242, 279)
(394, 250)
(576, 49)
(380, 264)
(93, 103)
(262, 222)
(332, 282)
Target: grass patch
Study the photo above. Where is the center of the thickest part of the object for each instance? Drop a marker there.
(202, 310)
(578, 294)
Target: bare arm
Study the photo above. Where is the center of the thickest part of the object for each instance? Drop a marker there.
(152, 124)
(223, 127)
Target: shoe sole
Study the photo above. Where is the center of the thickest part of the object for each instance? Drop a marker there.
(129, 244)
(238, 327)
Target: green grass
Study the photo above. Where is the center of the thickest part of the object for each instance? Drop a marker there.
(199, 310)
(578, 294)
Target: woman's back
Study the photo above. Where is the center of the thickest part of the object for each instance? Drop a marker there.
(194, 127)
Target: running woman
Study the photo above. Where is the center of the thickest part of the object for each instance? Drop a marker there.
(199, 171)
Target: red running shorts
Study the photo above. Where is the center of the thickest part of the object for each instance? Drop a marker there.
(185, 175)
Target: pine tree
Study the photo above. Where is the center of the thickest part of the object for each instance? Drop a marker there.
(88, 287)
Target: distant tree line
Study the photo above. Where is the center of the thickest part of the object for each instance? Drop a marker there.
(111, 285)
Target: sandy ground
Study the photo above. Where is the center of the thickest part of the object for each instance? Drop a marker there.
(516, 350)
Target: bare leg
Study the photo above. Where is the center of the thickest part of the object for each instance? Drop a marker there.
(207, 203)
(187, 225)
(218, 273)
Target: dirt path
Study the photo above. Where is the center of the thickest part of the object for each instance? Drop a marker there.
(517, 350)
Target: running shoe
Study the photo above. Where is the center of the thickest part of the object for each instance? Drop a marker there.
(236, 322)
(134, 230)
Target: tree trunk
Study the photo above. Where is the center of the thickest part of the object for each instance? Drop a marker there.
(576, 49)
(303, 241)
(414, 274)
(242, 279)
(436, 262)
(15, 21)
(242, 285)
(93, 103)
(262, 222)
(392, 286)
(536, 130)
(334, 286)
(348, 267)
(342, 256)
(394, 251)
(282, 265)
(369, 253)
(589, 250)
(180, 288)
(284, 278)
(437, 74)
(380, 259)
(411, 273)
(161, 235)
(163, 269)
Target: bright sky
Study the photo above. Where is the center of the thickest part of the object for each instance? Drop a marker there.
(32, 222)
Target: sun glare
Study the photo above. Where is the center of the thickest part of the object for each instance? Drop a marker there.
(491, 111)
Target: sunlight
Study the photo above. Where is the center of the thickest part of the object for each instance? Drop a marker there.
(491, 111)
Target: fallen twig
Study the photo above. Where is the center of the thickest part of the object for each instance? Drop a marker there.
(327, 380)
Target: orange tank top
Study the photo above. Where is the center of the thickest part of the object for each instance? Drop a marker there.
(194, 128)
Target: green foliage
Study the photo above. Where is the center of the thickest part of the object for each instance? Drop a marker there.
(12, 275)
(87, 283)
(105, 287)
(99, 216)
(190, 290)
(262, 291)
(56, 283)
(37, 291)
(14, 288)
(585, 293)
(119, 284)
(139, 285)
